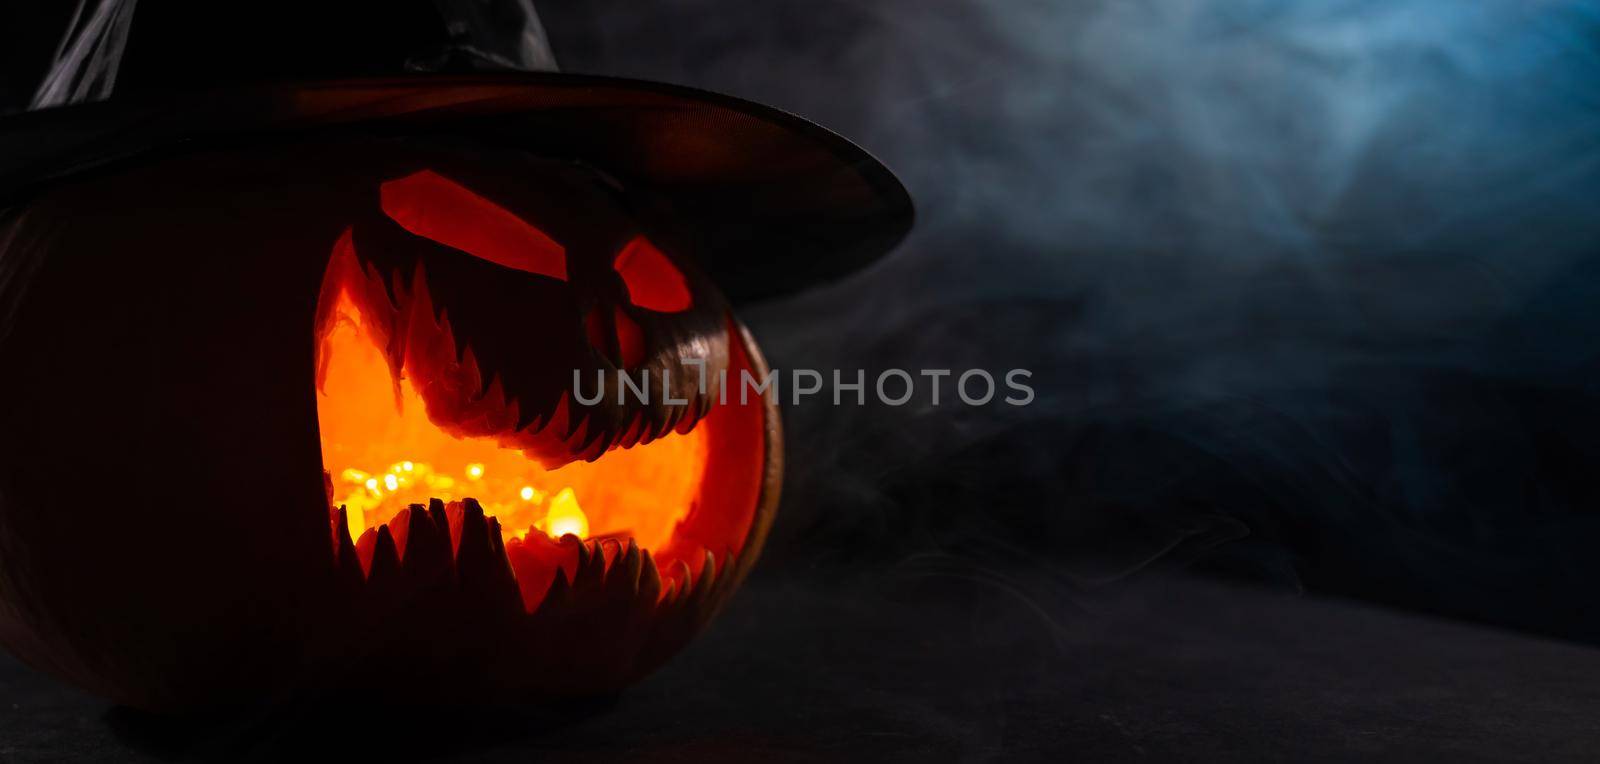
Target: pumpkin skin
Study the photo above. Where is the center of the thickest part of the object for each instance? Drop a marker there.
(167, 537)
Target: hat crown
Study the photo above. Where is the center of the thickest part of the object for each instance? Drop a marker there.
(115, 47)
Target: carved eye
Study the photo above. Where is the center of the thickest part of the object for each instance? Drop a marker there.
(434, 207)
(653, 282)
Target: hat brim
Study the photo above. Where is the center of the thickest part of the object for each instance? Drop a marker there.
(781, 203)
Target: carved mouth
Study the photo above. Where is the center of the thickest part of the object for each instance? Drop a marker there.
(436, 463)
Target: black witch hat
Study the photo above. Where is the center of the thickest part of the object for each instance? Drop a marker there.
(780, 202)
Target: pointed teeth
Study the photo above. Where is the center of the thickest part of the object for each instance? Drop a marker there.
(693, 413)
(399, 288)
(594, 569)
(422, 303)
(633, 431)
(686, 420)
(527, 418)
(470, 369)
(631, 562)
(679, 414)
(708, 576)
(383, 564)
(365, 547)
(649, 577)
(682, 577)
(559, 593)
(560, 420)
(492, 396)
(596, 441)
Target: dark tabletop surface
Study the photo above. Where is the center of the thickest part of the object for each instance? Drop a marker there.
(914, 666)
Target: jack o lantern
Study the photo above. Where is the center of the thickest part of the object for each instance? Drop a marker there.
(332, 387)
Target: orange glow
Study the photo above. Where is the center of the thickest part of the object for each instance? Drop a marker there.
(383, 453)
(435, 207)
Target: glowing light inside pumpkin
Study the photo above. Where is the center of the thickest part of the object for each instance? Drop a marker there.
(383, 453)
(565, 517)
(408, 482)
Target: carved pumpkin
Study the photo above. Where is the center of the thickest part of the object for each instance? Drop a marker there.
(295, 415)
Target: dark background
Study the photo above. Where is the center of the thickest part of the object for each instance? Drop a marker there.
(1311, 295)
(1320, 280)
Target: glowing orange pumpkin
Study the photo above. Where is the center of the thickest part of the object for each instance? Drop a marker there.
(290, 379)
(416, 320)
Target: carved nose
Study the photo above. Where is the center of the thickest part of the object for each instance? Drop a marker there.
(652, 281)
